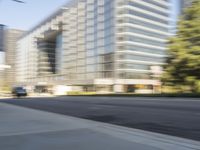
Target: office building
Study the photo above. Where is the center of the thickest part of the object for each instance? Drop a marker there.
(8, 39)
(97, 45)
(2, 37)
(11, 37)
(2, 54)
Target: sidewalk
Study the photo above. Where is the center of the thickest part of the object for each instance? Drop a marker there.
(29, 96)
(28, 129)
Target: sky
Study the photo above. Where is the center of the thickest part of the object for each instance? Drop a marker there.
(176, 8)
(25, 16)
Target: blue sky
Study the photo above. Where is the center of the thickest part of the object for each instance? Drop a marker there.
(175, 7)
(25, 16)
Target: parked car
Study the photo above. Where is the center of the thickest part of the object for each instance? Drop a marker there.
(19, 91)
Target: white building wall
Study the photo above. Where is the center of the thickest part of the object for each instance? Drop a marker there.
(142, 34)
(95, 41)
(27, 51)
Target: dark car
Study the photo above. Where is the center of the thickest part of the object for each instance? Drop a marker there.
(19, 91)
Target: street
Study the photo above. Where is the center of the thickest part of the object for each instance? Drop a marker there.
(173, 116)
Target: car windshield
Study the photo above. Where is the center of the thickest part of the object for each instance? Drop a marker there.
(19, 89)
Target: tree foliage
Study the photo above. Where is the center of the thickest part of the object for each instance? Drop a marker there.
(183, 63)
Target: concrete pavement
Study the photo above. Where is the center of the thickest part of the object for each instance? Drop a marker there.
(172, 116)
(9, 96)
(28, 129)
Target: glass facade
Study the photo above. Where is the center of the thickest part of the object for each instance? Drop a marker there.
(101, 39)
(59, 53)
(2, 34)
(142, 33)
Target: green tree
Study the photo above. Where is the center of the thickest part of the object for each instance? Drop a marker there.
(183, 64)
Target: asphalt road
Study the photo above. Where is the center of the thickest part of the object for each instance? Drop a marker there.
(177, 117)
